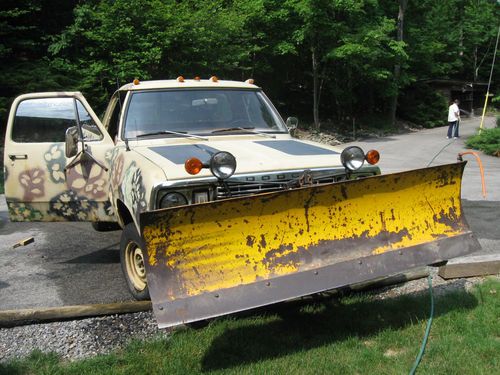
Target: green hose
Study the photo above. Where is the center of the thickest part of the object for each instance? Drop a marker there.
(427, 330)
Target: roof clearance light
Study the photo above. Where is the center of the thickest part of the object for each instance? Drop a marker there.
(193, 166)
(250, 81)
(214, 79)
(197, 78)
(180, 79)
(372, 157)
(136, 81)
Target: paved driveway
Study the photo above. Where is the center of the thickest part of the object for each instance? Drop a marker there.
(70, 263)
(417, 150)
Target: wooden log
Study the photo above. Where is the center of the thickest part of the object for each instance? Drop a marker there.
(9, 318)
(480, 265)
(24, 242)
(413, 274)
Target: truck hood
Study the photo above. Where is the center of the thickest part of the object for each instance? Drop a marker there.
(252, 155)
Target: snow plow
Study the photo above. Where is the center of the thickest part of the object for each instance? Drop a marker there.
(210, 259)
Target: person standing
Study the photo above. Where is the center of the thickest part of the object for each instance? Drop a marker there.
(453, 119)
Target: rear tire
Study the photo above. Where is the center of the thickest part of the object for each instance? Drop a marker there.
(132, 260)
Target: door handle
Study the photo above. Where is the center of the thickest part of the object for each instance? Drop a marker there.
(18, 157)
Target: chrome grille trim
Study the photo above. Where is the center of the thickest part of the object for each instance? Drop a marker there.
(254, 183)
(240, 188)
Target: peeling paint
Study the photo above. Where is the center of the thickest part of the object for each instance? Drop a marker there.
(296, 230)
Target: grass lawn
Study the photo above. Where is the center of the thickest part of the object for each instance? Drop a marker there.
(487, 141)
(354, 335)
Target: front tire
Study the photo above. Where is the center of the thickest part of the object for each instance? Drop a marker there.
(132, 259)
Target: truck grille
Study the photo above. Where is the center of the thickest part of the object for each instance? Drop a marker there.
(238, 188)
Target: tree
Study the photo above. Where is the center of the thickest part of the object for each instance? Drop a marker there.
(397, 67)
(26, 27)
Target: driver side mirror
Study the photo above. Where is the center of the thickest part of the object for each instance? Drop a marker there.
(71, 141)
(292, 123)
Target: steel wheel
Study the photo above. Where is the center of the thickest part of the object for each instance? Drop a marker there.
(134, 263)
(132, 258)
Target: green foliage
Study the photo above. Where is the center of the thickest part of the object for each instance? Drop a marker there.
(423, 106)
(496, 101)
(480, 25)
(94, 45)
(26, 27)
(116, 41)
(488, 141)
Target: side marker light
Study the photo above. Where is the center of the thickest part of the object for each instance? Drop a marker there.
(193, 166)
(372, 157)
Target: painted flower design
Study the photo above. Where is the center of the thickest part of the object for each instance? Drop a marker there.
(111, 155)
(108, 209)
(133, 189)
(23, 212)
(32, 181)
(117, 170)
(56, 161)
(71, 206)
(138, 192)
(93, 185)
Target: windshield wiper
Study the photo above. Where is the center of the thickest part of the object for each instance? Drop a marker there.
(249, 130)
(184, 134)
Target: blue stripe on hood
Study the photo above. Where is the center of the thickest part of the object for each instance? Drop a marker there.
(296, 148)
(178, 154)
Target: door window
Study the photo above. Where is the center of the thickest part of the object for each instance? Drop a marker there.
(47, 119)
(90, 130)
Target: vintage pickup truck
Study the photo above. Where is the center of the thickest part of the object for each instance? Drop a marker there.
(214, 194)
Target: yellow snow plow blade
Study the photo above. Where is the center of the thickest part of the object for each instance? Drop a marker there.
(221, 257)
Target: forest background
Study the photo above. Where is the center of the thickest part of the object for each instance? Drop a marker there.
(325, 61)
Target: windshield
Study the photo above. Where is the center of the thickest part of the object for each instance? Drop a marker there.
(199, 112)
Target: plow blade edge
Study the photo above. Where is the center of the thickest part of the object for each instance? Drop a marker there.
(211, 259)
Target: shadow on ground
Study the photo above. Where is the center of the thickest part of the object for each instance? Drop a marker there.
(303, 327)
(371, 139)
(102, 256)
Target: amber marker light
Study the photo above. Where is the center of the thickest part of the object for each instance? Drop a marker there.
(197, 78)
(180, 79)
(250, 81)
(136, 81)
(193, 166)
(372, 157)
(214, 79)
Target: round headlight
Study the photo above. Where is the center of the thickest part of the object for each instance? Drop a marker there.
(172, 200)
(352, 158)
(222, 165)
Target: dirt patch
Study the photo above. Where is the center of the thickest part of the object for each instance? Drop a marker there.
(389, 353)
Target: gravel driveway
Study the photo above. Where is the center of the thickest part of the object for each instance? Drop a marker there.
(78, 339)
